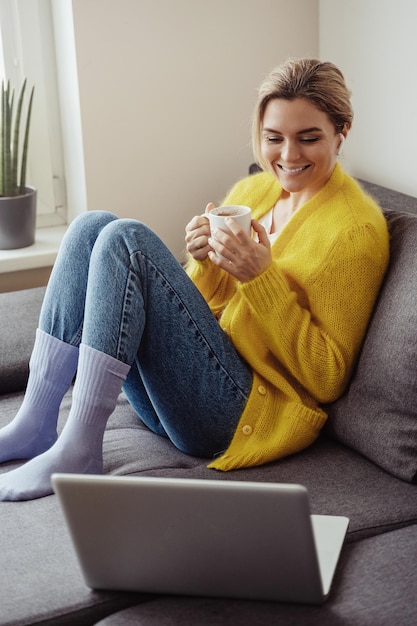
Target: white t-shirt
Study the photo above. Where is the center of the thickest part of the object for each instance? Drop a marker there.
(266, 222)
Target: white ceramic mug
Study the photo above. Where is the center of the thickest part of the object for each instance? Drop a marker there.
(241, 214)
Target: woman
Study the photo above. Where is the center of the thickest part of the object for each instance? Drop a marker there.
(233, 364)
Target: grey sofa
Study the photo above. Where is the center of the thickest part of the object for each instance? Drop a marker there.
(364, 466)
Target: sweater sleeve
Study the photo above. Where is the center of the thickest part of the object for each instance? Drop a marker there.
(314, 329)
(216, 285)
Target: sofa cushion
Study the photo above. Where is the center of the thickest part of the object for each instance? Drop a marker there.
(375, 583)
(390, 199)
(131, 449)
(19, 313)
(377, 416)
(42, 580)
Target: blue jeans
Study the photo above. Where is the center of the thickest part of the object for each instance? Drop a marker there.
(117, 288)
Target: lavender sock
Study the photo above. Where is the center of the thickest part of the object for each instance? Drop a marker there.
(51, 369)
(79, 448)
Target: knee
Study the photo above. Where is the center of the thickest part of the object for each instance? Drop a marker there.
(88, 225)
(128, 239)
(92, 222)
(125, 232)
(85, 228)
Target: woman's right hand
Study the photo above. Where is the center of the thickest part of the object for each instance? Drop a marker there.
(197, 233)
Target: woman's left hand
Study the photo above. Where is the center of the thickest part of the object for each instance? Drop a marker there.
(243, 257)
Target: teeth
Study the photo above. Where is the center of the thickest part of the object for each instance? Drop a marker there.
(293, 171)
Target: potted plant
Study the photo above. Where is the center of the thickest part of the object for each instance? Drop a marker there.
(17, 200)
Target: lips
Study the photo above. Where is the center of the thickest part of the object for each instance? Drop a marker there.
(293, 170)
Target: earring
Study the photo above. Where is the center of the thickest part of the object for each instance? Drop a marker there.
(341, 144)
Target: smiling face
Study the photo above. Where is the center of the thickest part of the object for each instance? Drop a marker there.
(300, 144)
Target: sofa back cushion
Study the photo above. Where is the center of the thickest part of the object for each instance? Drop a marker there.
(19, 314)
(377, 416)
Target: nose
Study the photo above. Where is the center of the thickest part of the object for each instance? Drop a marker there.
(290, 151)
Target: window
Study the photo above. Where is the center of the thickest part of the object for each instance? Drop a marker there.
(27, 51)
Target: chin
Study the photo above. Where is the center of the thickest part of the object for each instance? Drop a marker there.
(292, 186)
(295, 183)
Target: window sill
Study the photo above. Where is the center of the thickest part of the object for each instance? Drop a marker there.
(42, 254)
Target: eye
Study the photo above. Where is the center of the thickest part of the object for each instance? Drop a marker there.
(273, 139)
(309, 139)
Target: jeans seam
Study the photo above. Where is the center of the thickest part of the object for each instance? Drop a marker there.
(125, 314)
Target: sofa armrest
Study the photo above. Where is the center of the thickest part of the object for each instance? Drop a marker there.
(19, 315)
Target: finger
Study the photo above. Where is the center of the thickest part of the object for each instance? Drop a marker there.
(219, 261)
(224, 245)
(198, 250)
(210, 207)
(198, 247)
(200, 242)
(202, 234)
(236, 231)
(262, 234)
(198, 227)
(196, 222)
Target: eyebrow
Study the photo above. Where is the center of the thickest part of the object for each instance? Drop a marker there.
(313, 129)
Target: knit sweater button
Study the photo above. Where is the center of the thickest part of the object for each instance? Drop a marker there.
(247, 430)
(262, 390)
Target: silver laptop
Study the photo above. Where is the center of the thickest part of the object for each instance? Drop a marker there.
(200, 537)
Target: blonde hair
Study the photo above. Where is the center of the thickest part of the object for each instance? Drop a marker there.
(321, 83)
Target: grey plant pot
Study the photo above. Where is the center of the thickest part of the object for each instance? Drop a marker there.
(18, 220)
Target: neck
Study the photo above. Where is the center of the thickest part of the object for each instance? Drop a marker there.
(283, 212)
(291, 202)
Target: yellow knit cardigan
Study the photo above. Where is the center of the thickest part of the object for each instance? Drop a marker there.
(300, 323)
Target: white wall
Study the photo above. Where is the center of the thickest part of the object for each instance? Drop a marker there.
(374, 42)
(166, 95)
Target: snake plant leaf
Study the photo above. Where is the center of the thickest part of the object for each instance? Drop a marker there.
(26, 145)
(7, 104)
(10, 185)
(16, 134)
